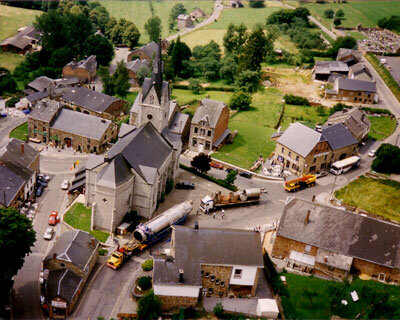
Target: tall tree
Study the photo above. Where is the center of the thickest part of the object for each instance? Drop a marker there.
(176, 10)
(179, 54)
(201, 162)
(131, 35)
(121, 80)
(100, 47)
(235, 38)
(153, 28)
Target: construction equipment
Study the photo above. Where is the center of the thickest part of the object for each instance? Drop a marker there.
(219, 201)
(305, 181)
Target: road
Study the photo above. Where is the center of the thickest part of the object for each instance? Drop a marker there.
(7, 124)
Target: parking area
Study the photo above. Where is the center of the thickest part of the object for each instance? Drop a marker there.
(393, 65)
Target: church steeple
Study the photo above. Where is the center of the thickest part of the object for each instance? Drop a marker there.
(157, 76)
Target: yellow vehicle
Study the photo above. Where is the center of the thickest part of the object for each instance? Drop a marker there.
(305, 181)
(116, 260)
(123, 253)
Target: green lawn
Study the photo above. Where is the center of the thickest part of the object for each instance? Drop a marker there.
(139, 12)
(381, 127)
(380, 197)
(356, 35)
(185, 97)
(307, 115)
(78, 216)
(130, 97)
(10, 60)
(365, 12)
(20, 132)
(297, 305)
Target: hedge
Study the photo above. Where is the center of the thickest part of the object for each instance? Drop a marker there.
(220, 182)
(295, 100)
(377, 110)
(208, 88)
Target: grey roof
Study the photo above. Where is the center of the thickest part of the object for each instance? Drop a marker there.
(125, 129)
(334, 259)
(333, 76)
(89, 64)
(135, 65)
(37, 96)
(173, 105)
(10, 183)
(338, 136)
(21, 42)
(343, 53)
(149, 83)
(360, 68)
(173, 138)
(179, 122)
(326, 67)
(115, 174)
(222, 137)
(89, 99)
(64, 82)
(354, 119)
(209, 110)
(41, 83)
(94, 161)
(63, 283)
(81, 124)
(300, 138)
(149, 49)
(194, 247)
(30, 31)
(73, 246)
(12, 153)
(343, 232)
(45, 110)
(356, 85)
(183, 17)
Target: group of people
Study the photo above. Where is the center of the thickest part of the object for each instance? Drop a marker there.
(214, 213)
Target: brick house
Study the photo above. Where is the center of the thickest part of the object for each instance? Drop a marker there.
(66, 269)
(184, 21)
(93, 102)
(325, 69)
(327, 241)
(351, 90)
(207, 262)
(349, 56)
(304, 150)
(209, 127)
(85, 70)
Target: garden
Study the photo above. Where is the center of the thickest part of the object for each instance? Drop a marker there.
(20, 132)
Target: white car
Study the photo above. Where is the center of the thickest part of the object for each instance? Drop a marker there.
(48, 234)
(44, 177)
(371, 153)
(65, 185)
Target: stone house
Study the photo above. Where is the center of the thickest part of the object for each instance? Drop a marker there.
(351, 90)
(66, 269)
(327, 241)
(197, 13)
(349, 56)
(12, 184)
(85, 70)
(93, 102)
(304, 150)
(359, 71)
(40, 84)
(133, 67)
(355, 120)
(32, 99)
(324, 69)
(147, 52)
(132, 175)
(209, 128)
(23, 41)
(207, 262)
(184, 21)
(50, 87)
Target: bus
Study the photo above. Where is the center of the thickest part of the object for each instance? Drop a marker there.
(345, 165)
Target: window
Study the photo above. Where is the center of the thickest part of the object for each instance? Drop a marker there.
(222, 284)
(283, 150)
(194, 142)
(330, 268)
(88, 141)
(326, 156)
(315, 159)
(104, 200)
(62, 265)
(312, 169)
(238, 273)
(323, 165)
(382, 277)
(202, 273)
(149, 116)
(307, 249)
(208, 145)
(34, 126)
(217, 282)
(297, 158)
(88, 147)
(203, 132)
(105, 137)
(209, 133)
(212, 278)
(44, 128)
(151, 100)
(196, 129)
(359, 94)
(207, 274)
(290, 154)
(210, 290)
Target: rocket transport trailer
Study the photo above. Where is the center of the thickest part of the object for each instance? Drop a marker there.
(238, 198)
(151, 232)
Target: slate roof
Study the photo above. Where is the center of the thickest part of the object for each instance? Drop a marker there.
(149, 49)
(338, 136)
(94, 161)
(37, 96)
(73, 246)
(135, 65)
(356, 121)
(63, 283)
(23, 38)
(12, 153)
(41, 83)
(343, 53)
(45, 110)
(115, 174)
(183, 17)
(88, 99)
(360, 68)
(89, 64)
(300, 138)
(125, 129)
(81, 124)
(326, 67)
(10, 183)
(194, 247)
(356, 85)
(209, 110)
(342, 232)
(179, 122)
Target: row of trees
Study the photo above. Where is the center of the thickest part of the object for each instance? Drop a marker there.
(337, 16)
(392, 23)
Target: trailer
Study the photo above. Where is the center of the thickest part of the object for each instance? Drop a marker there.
(239, 198)
(305, 181)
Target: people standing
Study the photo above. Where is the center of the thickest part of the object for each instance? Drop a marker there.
(223, 214)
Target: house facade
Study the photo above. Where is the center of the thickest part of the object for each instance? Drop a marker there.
(351, 90)
(184, 21)
(327, 241)
(209, 127)
(85, 70)
(197, 267)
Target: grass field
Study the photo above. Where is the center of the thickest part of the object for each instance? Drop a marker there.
(381, 127)
(139, 12)
(306, 115)
(10, 60)
(380, 197)
(20, 132)
(365, 12)
(78, 216)
(297, 306)
(185, 97)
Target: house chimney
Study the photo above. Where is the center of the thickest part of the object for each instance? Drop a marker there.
(92, 242)
(180, 275)
(196, 225)
(54, 256)
(313, 198)
(22, 147)
(307, 219)
(326, 259)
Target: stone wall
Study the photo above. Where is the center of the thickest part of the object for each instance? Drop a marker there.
(352, 96)
(323, 269)
(374, 271)
(169, 302)
(283, 246)
(222, 124)
(221, 273)
(82, 74)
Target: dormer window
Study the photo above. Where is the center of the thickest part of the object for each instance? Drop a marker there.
(151, 99)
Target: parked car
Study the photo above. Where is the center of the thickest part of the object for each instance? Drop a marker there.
(53, 219)
(65, 184)
(44, 177)
(184, 185)
(216, 165)
(321, 174)
(48, 234)
(371, 153)
(230, 169)
(39, 190)
(41, 182)
(245, 174)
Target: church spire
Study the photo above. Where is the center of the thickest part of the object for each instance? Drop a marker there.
(158, 72)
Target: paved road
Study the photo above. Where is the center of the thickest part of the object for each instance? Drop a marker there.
(7, 124)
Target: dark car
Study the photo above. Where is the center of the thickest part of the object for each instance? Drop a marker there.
(184, 185)
(247, 175)
(39, 190)
(41, 182)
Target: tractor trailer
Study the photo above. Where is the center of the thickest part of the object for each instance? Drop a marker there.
(150, 232)
(238, 198)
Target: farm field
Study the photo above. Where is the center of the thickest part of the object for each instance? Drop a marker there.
(139, 12)
(367, 13)
(10, 60)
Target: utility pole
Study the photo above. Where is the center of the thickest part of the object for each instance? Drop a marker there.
(333, 187)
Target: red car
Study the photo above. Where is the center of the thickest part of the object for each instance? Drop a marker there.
(53, 219)
(216, 165)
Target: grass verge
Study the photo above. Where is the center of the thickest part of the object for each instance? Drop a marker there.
(377, 196)
(20, 132)
(381, 127)
(79, 217)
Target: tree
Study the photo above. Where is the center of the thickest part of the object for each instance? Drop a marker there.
(310, 294)
(176, 10)
(240, 100)
(235, 38)
(247, 81)
(201, 162)
(228, 69)
(329, 13)
(219, 310)
(339, 13)
(387, 159)
(257, 4)
(118, 31)
(153, 28)
(336, 293)
(195, 85)
(16, 239)
(337, 22)
(342, 42)
(180, 53)
(7, 82)
(100, 47)
(121, 80)
(149, 306)
(142, 73)
(231, 177)
(130, 35)
(207, 60)
(100, 17)
(273, 32)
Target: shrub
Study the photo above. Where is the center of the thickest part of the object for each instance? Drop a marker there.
(201, 162)
(240, 100)
(387, 159)
(248, 81)
(218, 310)
(149, 306)
(144, 283)
(257, 3)
(377, 110)
(338, 107)
(231, 177)
(11, 102)
(169, 185)
(103, 252)
(296, 100)
(147, 265)
(195, 86)
(328, 13)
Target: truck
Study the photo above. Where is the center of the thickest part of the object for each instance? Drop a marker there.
(305, 181)
(150, 232)
(238, 198)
